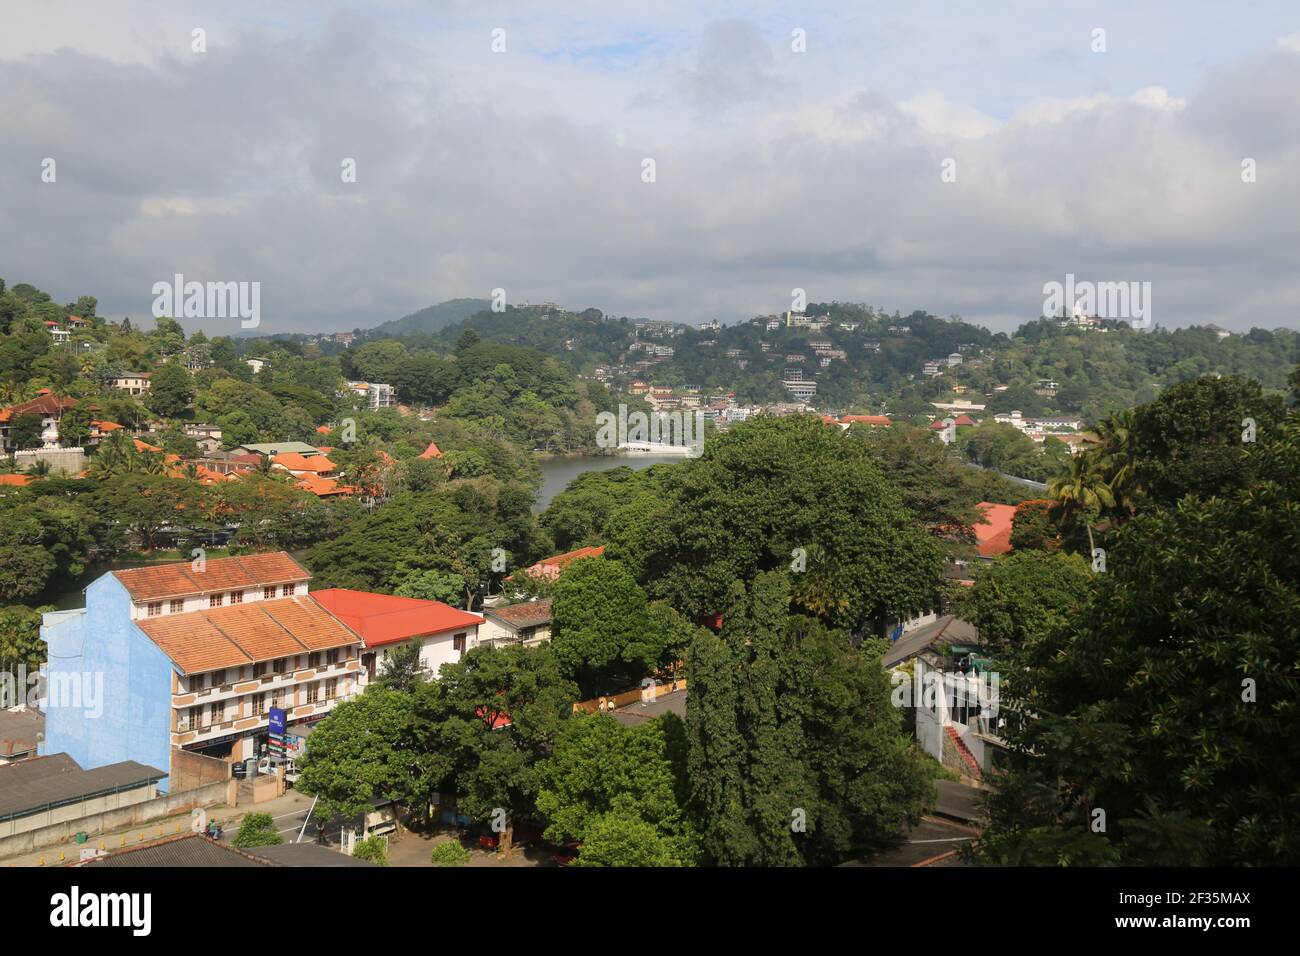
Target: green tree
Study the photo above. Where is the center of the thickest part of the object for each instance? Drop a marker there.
(780, 493)
(25, 431)
(256, 829)
(600, 626)
(1024, 595)
(1168, 701)
(600, 768)
(171, 389)
(796, 754)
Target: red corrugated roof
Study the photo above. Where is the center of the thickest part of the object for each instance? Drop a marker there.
(386, 619)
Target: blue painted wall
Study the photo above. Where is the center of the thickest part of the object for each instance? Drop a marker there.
(136, 685)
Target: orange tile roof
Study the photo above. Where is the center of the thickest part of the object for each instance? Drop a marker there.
(16, 480)
(162, 581)
(322, 429)
(323, 487)
(551, 567)
(866, 419)
(385, 618)
(993, 534)
(144, 445)
(294, 461)
(106, 426)
(433, 451)
(246, 633)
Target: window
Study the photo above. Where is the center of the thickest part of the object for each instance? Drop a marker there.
(259, 705)
(458, 643)
(331, 688)
(177, 607)
(154, 609)
(216, 600)
(288, 589)
(259, 669)
(268, 593)
(216, 712)
(313, 659)
(332, 656)
(313, 692)
(197, 681)
(279, 666)
(236, 597)
(191, 718)
(277, 699)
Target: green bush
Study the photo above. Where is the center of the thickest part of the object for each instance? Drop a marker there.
(257, 829)
(373, 849)
(450, 853)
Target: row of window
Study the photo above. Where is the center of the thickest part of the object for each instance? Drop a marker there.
(258, 705)
(280, 667)
(155, 608)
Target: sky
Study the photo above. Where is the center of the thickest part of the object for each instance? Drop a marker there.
(953, 157)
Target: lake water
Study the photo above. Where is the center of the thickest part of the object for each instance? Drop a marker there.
(558, 472)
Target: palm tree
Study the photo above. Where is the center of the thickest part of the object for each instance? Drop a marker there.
(39, 468)
(1116, 458)
(1080, 492)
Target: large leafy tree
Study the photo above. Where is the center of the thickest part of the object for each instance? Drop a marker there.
(1191, 439)
(773, 494)
(1168, 702)
(796, 754)
(490, 718)
(600, 626)
(1024, 595)
(601, 769)
(171, 389)
(363, 751)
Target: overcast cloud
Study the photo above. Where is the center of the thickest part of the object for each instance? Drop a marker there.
(775, 169)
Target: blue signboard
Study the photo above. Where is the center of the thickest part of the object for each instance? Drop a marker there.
(277, 721)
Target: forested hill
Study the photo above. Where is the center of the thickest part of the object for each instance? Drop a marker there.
(430, 319)
(1095, 371)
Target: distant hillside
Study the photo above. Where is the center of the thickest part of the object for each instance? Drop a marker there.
(432, 318)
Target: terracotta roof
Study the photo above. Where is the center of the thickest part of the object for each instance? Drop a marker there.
(43, 404)
(246, 633)
(866, 419)
(963, 420)
(296, 462)
(16, 480)
(551, 567)
(106, 426)
(322, 429)
(220, 574)
(145, 446)
(993, 534)
(518, 616)
(433, 451)
(385, 618)
(323, 487)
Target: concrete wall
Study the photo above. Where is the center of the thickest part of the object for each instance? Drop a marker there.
(133, 676)
(115, 818)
